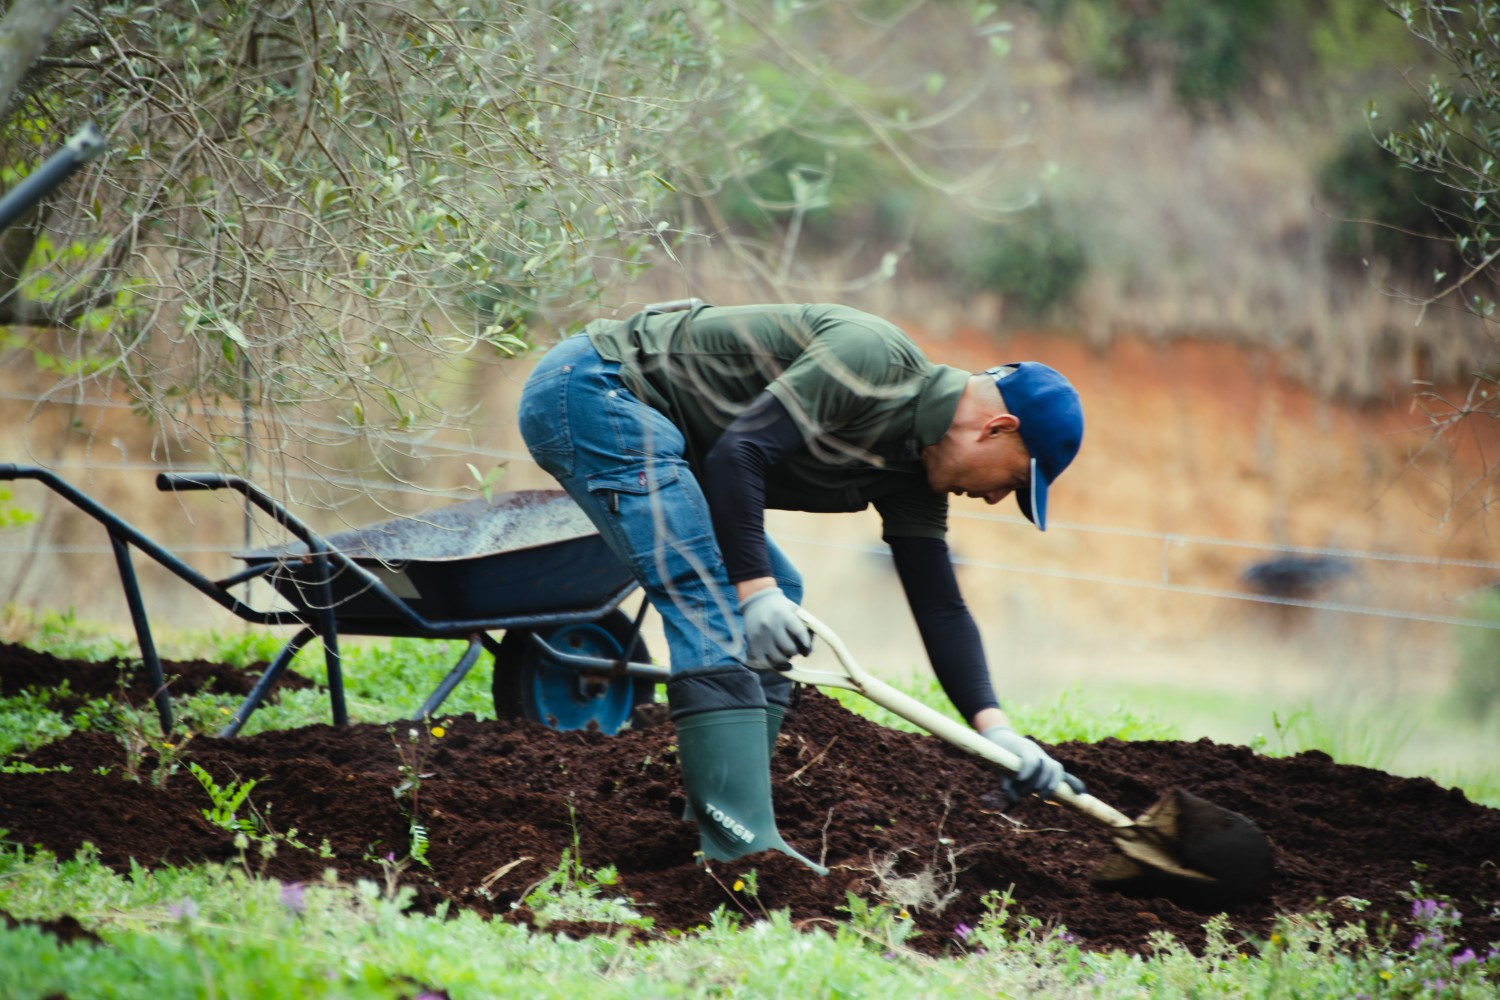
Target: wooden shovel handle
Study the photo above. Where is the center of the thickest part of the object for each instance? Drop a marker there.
(952, 732)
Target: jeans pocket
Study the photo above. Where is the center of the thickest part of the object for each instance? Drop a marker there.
(634, 479)
(543, 419)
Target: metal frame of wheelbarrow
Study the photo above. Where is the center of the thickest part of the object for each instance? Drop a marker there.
(326, 561)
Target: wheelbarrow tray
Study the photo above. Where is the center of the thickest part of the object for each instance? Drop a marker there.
(516, 555)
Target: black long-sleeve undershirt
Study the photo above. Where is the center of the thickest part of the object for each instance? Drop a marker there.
(734, 484)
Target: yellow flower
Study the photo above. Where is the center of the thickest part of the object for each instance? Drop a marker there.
(223, 710)
(1385, 974)
(1275, 938)
(438, 731)
(903, 915)
(169, 746)
(739, 885)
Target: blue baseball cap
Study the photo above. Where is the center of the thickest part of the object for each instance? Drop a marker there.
(1051, 426)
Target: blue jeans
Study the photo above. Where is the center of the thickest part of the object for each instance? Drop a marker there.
(623, 463)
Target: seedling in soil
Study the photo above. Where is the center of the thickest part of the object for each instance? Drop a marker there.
(413, 755)
(573, 892)
(227, 801)
(747, 885)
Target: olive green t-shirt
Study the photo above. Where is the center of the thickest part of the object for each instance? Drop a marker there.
(866, 399)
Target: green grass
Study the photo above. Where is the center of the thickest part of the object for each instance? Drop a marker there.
(217, 931)
(222, 931)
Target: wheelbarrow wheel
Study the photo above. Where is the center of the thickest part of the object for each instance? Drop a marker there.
(530, 685)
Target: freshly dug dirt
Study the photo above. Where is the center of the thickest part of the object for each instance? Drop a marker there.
(887, 811)
(22, 669)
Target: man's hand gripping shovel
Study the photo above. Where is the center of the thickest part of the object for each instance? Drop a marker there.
(1181, 840)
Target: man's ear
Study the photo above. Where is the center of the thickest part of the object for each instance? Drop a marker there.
(1001, 423)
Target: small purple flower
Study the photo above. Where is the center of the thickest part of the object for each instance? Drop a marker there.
(1464, 958)
(962, 931)
(183, 909)
(1433, 939)
(294, 896)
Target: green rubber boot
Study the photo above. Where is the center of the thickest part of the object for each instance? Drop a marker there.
(727, 774)
(777, 690)
(775, 716)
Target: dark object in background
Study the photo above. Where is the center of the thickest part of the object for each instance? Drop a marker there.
(1300, 577)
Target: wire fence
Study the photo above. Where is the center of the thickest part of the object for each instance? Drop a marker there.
(433, 448)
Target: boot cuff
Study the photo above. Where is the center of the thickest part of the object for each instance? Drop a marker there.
(713, 690)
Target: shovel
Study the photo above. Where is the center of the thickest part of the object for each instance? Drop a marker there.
(1182, 842)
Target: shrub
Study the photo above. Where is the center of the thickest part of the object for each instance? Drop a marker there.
(1208, 47)
(844, 189)
(1036, 260)
(1386, 209)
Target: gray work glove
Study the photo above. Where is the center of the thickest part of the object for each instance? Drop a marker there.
(1038, 773)
(773, 632)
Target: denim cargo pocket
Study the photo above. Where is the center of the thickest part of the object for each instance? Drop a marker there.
(636, 478)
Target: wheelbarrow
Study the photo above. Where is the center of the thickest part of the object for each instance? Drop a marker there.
(528, 563)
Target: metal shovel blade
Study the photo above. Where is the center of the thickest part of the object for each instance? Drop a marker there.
(1182, 845)
(1188, 838)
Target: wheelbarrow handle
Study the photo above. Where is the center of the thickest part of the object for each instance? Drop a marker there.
(854, 678)
(174, 482)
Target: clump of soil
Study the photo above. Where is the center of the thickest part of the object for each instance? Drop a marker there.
(895, 816)
(22, 669)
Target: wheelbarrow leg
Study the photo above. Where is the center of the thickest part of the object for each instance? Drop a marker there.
(459, 671)
(149, 655)
(328, 628)
(263, 686)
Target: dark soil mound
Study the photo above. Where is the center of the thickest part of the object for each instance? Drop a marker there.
(502, 801)
(22, 668)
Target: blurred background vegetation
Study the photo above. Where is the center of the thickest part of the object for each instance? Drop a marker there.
(333, 206)
(326, 235)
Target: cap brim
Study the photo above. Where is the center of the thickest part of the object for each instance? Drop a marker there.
(1033, 502)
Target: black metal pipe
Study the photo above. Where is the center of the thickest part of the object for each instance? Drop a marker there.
(118, 527)
(460, 670)
(598, 664)
(248, 573)
(628, 653)
(81, 147)
(149, 656)
(263, 686)
(328, 630)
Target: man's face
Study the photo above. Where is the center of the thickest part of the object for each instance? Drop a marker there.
(990, 465)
